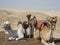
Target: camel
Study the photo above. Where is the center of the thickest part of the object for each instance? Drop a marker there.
(32, 24)
(53, 21)
(45, 33)
(26, 28)
(15, 34)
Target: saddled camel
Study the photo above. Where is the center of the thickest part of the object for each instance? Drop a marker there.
(45, 33)
(14, 34)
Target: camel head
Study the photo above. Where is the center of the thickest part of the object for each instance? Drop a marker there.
(6, 25)
(28, 16)
(54, 18)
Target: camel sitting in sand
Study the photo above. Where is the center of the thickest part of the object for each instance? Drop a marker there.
(15, 34)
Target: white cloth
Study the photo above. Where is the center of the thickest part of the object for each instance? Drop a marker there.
(20, 31)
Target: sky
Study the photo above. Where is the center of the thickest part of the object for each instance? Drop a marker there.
(31, 4)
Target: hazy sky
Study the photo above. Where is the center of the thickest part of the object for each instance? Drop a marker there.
(31, 4)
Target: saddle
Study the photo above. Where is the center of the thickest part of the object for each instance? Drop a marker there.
(39, 23)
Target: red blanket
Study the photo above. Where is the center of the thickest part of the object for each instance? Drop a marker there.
(39, 23)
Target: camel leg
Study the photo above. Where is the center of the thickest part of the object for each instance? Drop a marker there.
(39, 33)
(44, 42)
(25, 35)
(30, 32)
(11, 38)
(52, 43)
(32, 35)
